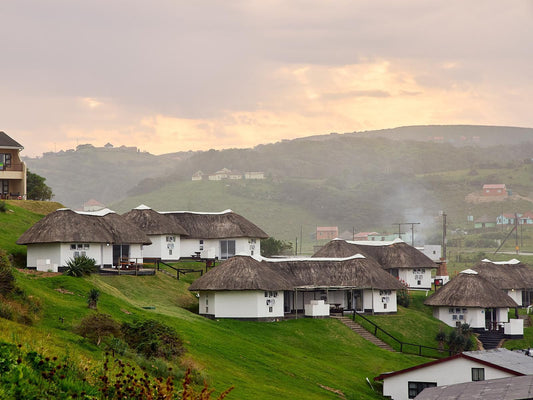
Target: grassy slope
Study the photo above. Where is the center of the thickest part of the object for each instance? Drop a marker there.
(254, 200)
(20, 215)
(290, 359)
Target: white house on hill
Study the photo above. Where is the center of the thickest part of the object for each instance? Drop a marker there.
(470, 366)
(208, 235)
(65, 234)
(400, 259)
(247, 287)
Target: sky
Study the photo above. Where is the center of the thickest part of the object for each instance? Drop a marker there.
(168, 76)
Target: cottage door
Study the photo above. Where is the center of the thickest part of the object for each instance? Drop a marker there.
(120, 251)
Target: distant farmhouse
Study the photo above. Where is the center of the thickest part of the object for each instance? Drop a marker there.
(12, 169)
(327, 232)
(495, 190)
(226, 173)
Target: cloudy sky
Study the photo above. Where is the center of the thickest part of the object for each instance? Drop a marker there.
(194, 75)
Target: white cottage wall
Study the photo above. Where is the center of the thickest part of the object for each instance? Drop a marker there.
(416, 278)
(454, 371)
(45, 251)
(516, 295)
(243, 304)
(473, 316)
(210, 248)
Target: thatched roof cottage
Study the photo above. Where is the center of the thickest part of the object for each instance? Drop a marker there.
(207, 235)
(472, 299)
(64, 234)
(164, 232)
(401, 260)
(217, 234)
(513, 277)
(260, 288)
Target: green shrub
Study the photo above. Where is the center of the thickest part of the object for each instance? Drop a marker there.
(3, 207)
(151, 338)
(80, 266)
(403, 298)
(92, 298)
(7, 280)
(96, 327)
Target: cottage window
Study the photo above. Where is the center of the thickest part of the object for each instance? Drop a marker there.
(478, 374)
(266, 294)
(227, 249)
(270, 309)
(201, 244)
(414, 388)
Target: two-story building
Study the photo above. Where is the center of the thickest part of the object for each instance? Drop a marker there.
(12, 169)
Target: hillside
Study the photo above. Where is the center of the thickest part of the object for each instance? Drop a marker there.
(357, 181)
(20, 215)
(302, 358)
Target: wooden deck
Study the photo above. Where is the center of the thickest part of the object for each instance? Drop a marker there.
(121, 271)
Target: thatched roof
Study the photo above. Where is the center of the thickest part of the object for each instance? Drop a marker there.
(67, 226)
(221, 225)
(247, 273)
(354, 272)
(241, 273)
(506, 275)
(153, 223)
(395, 254)
(469, 289)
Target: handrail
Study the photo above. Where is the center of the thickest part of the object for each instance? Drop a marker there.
(178, 270)
(402, 344)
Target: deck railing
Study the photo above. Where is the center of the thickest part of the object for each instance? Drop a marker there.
(179, 271)
(397, 344)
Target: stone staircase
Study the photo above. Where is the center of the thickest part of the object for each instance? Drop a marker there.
(354, 326)
(491, 339)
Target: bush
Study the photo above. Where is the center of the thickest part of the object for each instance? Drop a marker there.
(92, 298)
(151, 338)
(3, 207)
(403, 298)
(7, 280)
(80, 266)
(96, 327)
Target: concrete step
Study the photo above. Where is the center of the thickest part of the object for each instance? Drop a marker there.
(354, 326)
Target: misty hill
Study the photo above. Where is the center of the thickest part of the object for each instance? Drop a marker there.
(362, 181)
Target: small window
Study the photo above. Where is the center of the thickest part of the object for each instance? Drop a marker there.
(266, 294)
(270, 309)
(72, 247)
(86, 246)
(384, 306)
(414, 388)
(206, 310)
(79, 246)
(478, 374)
(169, 252)
(454, 317)
(76, 254)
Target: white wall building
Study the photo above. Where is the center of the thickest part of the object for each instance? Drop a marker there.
(464, 367)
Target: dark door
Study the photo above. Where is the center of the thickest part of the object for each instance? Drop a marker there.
(120, 251)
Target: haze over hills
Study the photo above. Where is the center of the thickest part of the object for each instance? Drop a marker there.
(360, 181)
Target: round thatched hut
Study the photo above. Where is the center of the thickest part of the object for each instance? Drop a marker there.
(246, 287)
(472, 299)
(401, 260)
(65, 234)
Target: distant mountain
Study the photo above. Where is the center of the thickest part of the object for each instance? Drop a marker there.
(364, 181)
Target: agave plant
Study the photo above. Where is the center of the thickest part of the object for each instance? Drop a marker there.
(92, 298)
(80, 266)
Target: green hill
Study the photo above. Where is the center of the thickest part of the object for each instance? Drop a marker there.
(302, 358)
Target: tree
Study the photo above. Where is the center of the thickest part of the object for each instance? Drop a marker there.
(272, 246)
(96, 327)
(36, 188)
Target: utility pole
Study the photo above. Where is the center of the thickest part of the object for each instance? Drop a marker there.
(443, 235)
